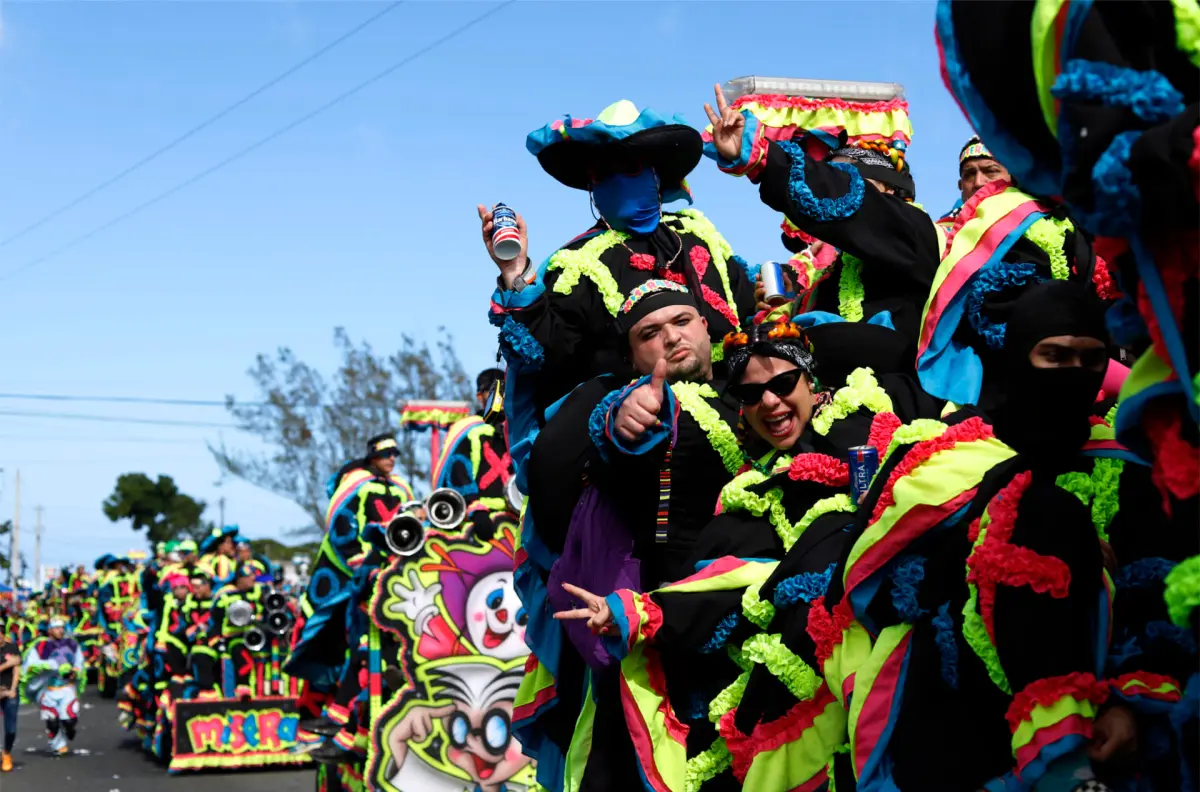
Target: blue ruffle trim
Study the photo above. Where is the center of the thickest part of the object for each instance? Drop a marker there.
(1125, 324)
(597, 421)
(517, 342)
(806, 586)
(697, 707)
(1166, 631)
(721, 634)
(1117, 199)
(947, 644)
(906, 582)
(751, 270)
(1148, 94)
(994, 278)
(822, 209)
(1143, 572)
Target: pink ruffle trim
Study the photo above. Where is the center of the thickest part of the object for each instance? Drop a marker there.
(642, 261)
(1176, 469)
(1194, 161)
(770, 736)
(826, 628)
(1102, 281)
(700, 259)
(968, 431)
(883, 426)
(1148, 684)
(820, 468)
(1080, 686)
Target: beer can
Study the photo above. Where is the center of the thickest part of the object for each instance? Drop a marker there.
(864, 462)
(772, 281)
(506, 238)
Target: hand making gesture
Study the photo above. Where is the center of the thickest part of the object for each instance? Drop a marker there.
(639, 412)
(598, 614)
(727, 127)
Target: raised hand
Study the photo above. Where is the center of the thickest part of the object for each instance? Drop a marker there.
(418, 723)
(596, 610)
(639, 411)
(509, 270)
(417, 604)
(727, 126)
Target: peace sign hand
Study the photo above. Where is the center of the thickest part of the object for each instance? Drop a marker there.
(598, 614)
(728, 125)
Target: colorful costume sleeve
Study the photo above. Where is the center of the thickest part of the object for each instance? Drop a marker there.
(604, 418)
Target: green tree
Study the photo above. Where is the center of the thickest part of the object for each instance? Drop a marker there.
(157, 507)
(5, 538)
(313, 425)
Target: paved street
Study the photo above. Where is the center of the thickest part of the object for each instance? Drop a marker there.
(106, 758)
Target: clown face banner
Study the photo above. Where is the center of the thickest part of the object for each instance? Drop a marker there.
(450, 648)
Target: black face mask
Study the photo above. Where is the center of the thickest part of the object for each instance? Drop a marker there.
(1046, 415)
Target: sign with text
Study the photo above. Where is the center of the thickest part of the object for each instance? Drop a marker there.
(230, 733)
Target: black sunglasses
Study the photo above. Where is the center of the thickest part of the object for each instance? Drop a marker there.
(781, 385)
(495, 732)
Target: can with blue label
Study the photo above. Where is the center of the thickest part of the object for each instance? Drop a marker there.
(864, 462)
(774, 292)
(506, 234)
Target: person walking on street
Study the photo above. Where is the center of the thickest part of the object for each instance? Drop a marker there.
(10, 674)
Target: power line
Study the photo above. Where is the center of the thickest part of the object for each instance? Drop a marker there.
(199, 127)
(118, 399)
(78, 439)
(259, 143)
(114, 419)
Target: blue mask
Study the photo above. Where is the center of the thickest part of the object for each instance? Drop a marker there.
(629, 203)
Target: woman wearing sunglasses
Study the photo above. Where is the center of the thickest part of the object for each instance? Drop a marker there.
(725, 651)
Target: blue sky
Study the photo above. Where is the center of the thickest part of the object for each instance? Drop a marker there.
(362, 217)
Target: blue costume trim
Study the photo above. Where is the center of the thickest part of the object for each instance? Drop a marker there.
(806, 587)
(822, 209)
(721, 634)
(751, 270)
(949, 369)
(617, 645)
(1166, 631)
(816, 318)
(1148, 94)
(993, 278)
(947, 644)
(1124, 323)
(1143, 572)
(520, 342)
(906, 583)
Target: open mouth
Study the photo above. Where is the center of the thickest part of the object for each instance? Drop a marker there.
(779, 425)
(492, 639)
(484, 768)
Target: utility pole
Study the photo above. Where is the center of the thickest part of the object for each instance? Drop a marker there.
(37, 549)
(221, 503)
(14, 559)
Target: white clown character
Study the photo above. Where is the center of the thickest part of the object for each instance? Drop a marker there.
(476, 729)
(52, 674)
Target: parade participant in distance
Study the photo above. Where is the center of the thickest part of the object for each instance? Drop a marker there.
(10, 677)
(202, 660)
(475, 462)
(52, 675)
(238, 664)
(218, 554)
(364, 491)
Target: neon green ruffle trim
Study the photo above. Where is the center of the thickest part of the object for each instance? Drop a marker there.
(585, 262)
(1183, 590)
(1050, 234)
(861, 390)
(835, 503)
(728, 698)
(1099, 491)
(1187, 29)
(796, 675)
(756, 609)
(703, 766)
(915, 432)
(736, 497)
(692, 397)
(850, 289)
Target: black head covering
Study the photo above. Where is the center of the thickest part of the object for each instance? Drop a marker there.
(382, 445)
(1045, 410)
(487, 378)
(784, 340)
(872, 164)
(648, 298)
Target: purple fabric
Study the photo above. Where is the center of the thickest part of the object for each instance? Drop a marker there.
(598, 557)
